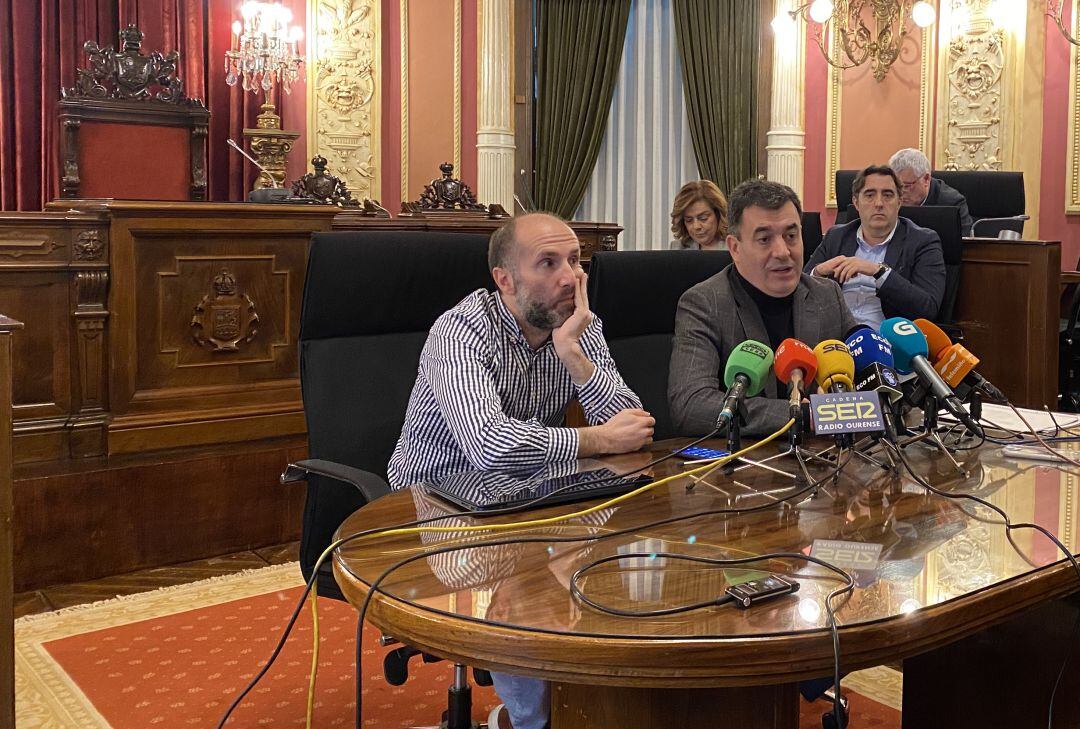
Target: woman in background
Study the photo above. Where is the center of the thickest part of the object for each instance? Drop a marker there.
(699, 217)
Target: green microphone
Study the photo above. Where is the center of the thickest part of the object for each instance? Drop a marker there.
(744, 376)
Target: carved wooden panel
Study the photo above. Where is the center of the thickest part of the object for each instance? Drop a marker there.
(216, 312)
(41, 350)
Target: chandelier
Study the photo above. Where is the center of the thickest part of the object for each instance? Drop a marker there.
(264, 48)
(1055, 13)
(864, 30)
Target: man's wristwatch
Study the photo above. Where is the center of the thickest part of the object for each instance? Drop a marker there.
(882, 270)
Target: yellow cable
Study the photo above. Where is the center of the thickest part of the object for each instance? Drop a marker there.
(314, 654)
(705, 470)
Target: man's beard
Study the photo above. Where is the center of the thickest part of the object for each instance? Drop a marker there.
(541, 315)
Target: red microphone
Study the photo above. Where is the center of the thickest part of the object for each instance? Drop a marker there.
(795, 366)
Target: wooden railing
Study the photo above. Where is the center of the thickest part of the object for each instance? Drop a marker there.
(7, 558)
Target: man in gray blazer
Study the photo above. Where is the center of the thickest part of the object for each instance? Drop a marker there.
(763, 296)
(886, 265)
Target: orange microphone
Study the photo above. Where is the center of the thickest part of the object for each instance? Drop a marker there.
(954, 362)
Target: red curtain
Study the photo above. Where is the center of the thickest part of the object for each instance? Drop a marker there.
(46, 48)
(42, 49)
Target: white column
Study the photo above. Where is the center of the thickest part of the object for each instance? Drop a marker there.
(786, 137)
(495, 102)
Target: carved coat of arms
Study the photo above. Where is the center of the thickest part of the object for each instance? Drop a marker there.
(226, 318)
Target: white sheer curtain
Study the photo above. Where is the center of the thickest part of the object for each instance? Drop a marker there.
(647, 154)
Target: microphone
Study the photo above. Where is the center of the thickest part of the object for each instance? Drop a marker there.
(795, 366)
(909, 355)
(1004, 233)
(874, 364)
(744, 376)
(252, 160)
(954, 362)
(836, 368)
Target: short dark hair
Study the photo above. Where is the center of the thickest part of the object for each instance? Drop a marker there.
(860, 179)
(759, 193)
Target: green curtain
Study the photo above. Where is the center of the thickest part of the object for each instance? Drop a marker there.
(579, 49)
(718, 48)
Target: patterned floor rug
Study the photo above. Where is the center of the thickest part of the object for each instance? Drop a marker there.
(176, 657)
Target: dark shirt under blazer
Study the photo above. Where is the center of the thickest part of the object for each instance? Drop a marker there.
(941, 194)
(916, 285)
(717, 315)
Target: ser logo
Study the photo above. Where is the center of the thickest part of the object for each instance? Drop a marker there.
(835, 347)
(904, 328)
(843, 411)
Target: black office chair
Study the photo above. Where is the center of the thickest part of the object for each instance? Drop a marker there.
(989, 194)
(636, 294)
(945, 221)
(811, 234)
(1069, 353)
(369, 301)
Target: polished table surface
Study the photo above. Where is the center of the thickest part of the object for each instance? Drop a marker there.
(946, 569)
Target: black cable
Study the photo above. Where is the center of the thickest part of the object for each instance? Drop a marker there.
(421, 522)
(373, 587)
(849, 587)
(1064, 664)
(1009, 526)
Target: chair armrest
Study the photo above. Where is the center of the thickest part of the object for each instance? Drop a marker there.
(366, 482)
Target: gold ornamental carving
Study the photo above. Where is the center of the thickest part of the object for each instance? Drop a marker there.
(1072, 180)
(226, 318)
(975, 66)
(343, 99)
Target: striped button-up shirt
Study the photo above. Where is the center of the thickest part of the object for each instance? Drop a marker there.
(485, 399)
(860, 292)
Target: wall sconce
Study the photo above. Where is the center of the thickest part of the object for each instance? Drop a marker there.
(878, 42)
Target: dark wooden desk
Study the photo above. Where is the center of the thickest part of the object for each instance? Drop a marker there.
(1007, 305)
(943, 575)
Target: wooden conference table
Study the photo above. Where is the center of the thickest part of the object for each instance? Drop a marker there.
(974, 614)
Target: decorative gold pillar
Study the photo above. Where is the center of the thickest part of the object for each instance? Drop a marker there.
(991, 89)
(786, 137)
(271, 145)
(495, 105)
(343, 100)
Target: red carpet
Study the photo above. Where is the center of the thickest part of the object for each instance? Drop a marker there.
(184, 668)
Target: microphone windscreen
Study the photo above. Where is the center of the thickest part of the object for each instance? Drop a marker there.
(752, 359)
(955, 363)
(794, 355)
(835, 365)
(906, 340)
(868, 347)
(937, 341)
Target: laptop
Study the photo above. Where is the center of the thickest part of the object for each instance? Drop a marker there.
(482, 491)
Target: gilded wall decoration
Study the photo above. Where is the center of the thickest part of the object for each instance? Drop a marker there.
(343, 98)
(975, 62)
(1072, 171)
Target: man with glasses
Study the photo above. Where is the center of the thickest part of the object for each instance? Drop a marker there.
(917, 187)
(886, 265)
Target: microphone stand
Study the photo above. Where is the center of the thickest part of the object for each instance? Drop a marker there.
(929, 431)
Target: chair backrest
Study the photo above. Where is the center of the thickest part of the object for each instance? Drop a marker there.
(369, 300)
(636, 294)
(945, 221)
(811, 233)
(128, 131)
(989, 194)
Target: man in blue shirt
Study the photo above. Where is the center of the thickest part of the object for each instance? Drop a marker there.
(886, 265)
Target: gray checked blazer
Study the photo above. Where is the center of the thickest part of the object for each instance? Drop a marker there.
(716, 316)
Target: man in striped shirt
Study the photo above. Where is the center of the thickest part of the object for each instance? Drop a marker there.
(495, 377)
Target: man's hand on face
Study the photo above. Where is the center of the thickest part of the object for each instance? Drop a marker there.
(852, 266)
(566, 338)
